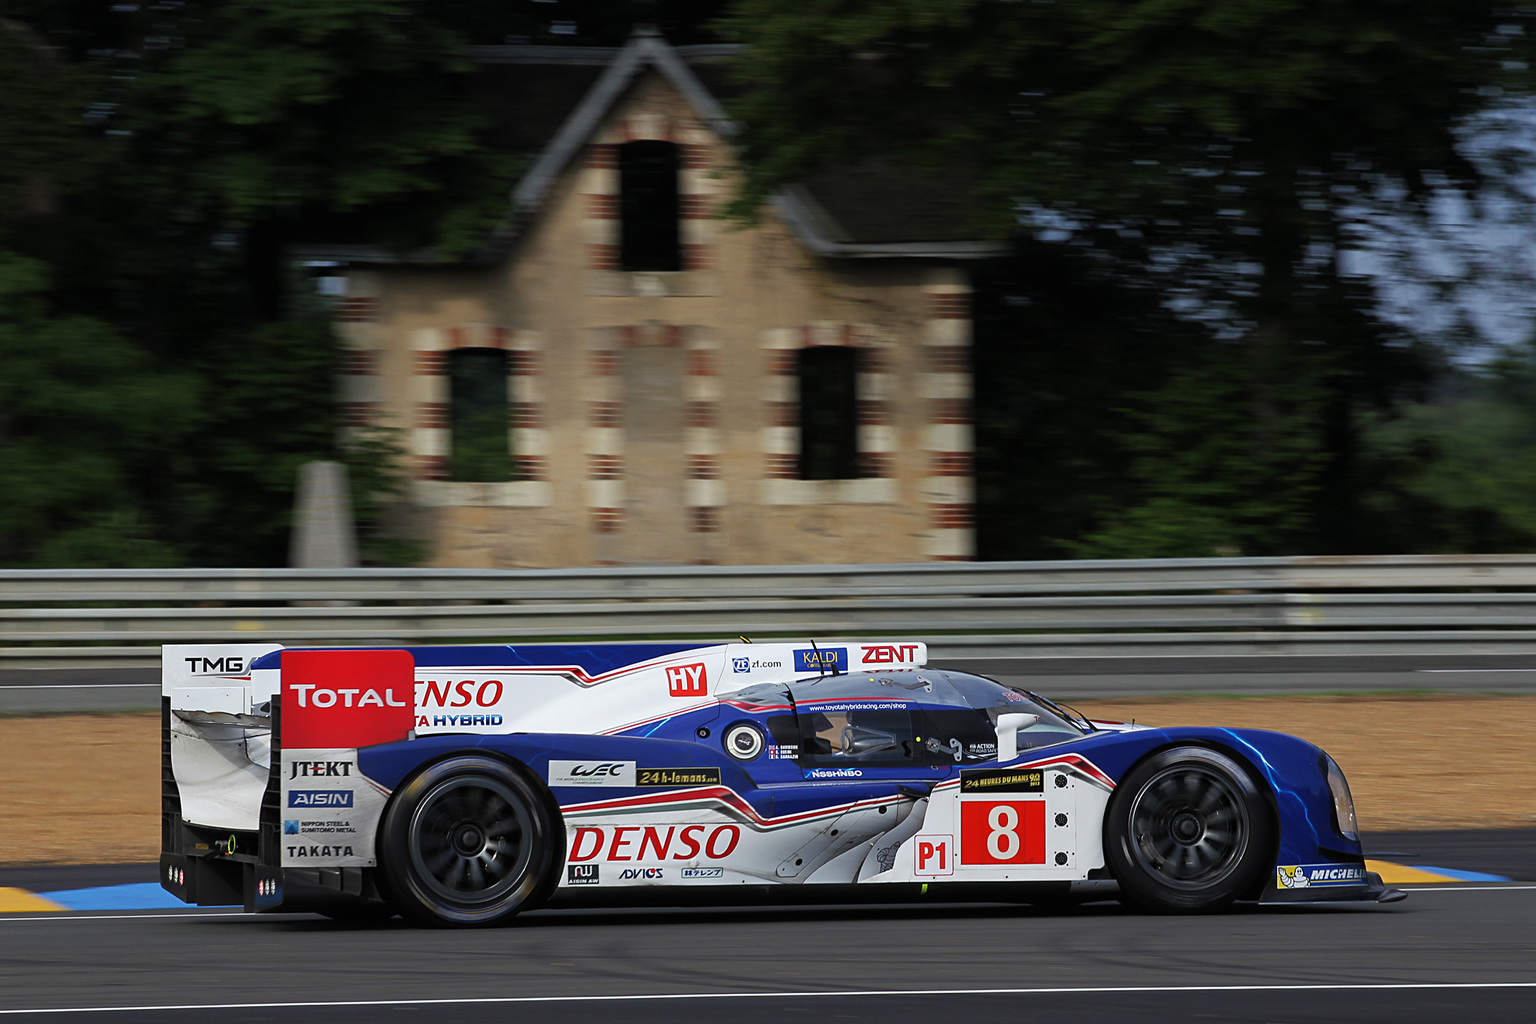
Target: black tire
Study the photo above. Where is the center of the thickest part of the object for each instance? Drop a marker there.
(468, 842)
(1187, 831)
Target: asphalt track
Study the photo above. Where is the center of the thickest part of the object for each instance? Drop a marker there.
(1448, 951)
(24, 691)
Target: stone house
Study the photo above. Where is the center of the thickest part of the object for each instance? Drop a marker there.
(627, 378)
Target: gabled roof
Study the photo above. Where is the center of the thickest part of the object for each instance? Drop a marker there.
(551, 100)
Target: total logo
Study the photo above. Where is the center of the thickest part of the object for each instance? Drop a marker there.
(311, 695)
(650, 842)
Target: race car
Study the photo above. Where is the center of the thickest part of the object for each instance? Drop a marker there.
(461, 785)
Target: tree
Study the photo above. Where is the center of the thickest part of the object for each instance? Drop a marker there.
(1212, 148)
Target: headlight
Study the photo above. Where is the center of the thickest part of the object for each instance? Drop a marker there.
(1343, 803)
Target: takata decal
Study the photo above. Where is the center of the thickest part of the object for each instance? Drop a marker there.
(1317, 876)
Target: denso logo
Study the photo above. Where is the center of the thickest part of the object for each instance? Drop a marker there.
(650, 842)
(444, 693)
(687, 680)
(890, 654)
(316, 769)
(311, 695)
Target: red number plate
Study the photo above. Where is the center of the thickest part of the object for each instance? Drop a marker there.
(1002, 832)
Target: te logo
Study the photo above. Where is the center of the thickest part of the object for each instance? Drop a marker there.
(935, 855)
(687, 681)
(890, 654)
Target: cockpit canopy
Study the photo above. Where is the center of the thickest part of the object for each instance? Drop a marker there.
(918, 717)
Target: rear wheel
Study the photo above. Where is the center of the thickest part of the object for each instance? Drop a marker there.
(1187, 830)
(467, 842)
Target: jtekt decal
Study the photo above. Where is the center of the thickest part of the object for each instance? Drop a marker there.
(318, 769)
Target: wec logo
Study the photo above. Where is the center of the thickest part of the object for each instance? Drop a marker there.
(687, 680)
(618, 774)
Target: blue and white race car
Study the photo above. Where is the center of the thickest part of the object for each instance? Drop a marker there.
(461, 785)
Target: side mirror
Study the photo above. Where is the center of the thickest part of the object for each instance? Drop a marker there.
(1008, 727)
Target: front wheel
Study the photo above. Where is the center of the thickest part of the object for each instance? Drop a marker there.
(1187, 830)
(467, 842)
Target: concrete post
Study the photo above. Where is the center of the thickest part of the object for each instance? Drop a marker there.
(324, 536)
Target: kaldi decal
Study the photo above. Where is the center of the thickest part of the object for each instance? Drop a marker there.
(653, 842)
(891, 654)
(339, 699)
(687, 681)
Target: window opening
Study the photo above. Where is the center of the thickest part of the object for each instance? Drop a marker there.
(829, 413)
(648, 206)
(479, 420)
(858, 737)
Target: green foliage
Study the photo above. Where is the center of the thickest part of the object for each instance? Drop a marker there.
(376, 461)
(85, 422)
(1459, 472)
(1224, 466)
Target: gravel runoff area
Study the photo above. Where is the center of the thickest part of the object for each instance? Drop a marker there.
(85, 789)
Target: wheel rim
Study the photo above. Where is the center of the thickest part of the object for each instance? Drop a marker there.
(1189, 826)
(470, 840)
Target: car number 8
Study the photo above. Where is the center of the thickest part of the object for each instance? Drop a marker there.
(1003, 839)
(1002, 832)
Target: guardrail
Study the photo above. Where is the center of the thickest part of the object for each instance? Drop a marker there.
(1378, 604)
